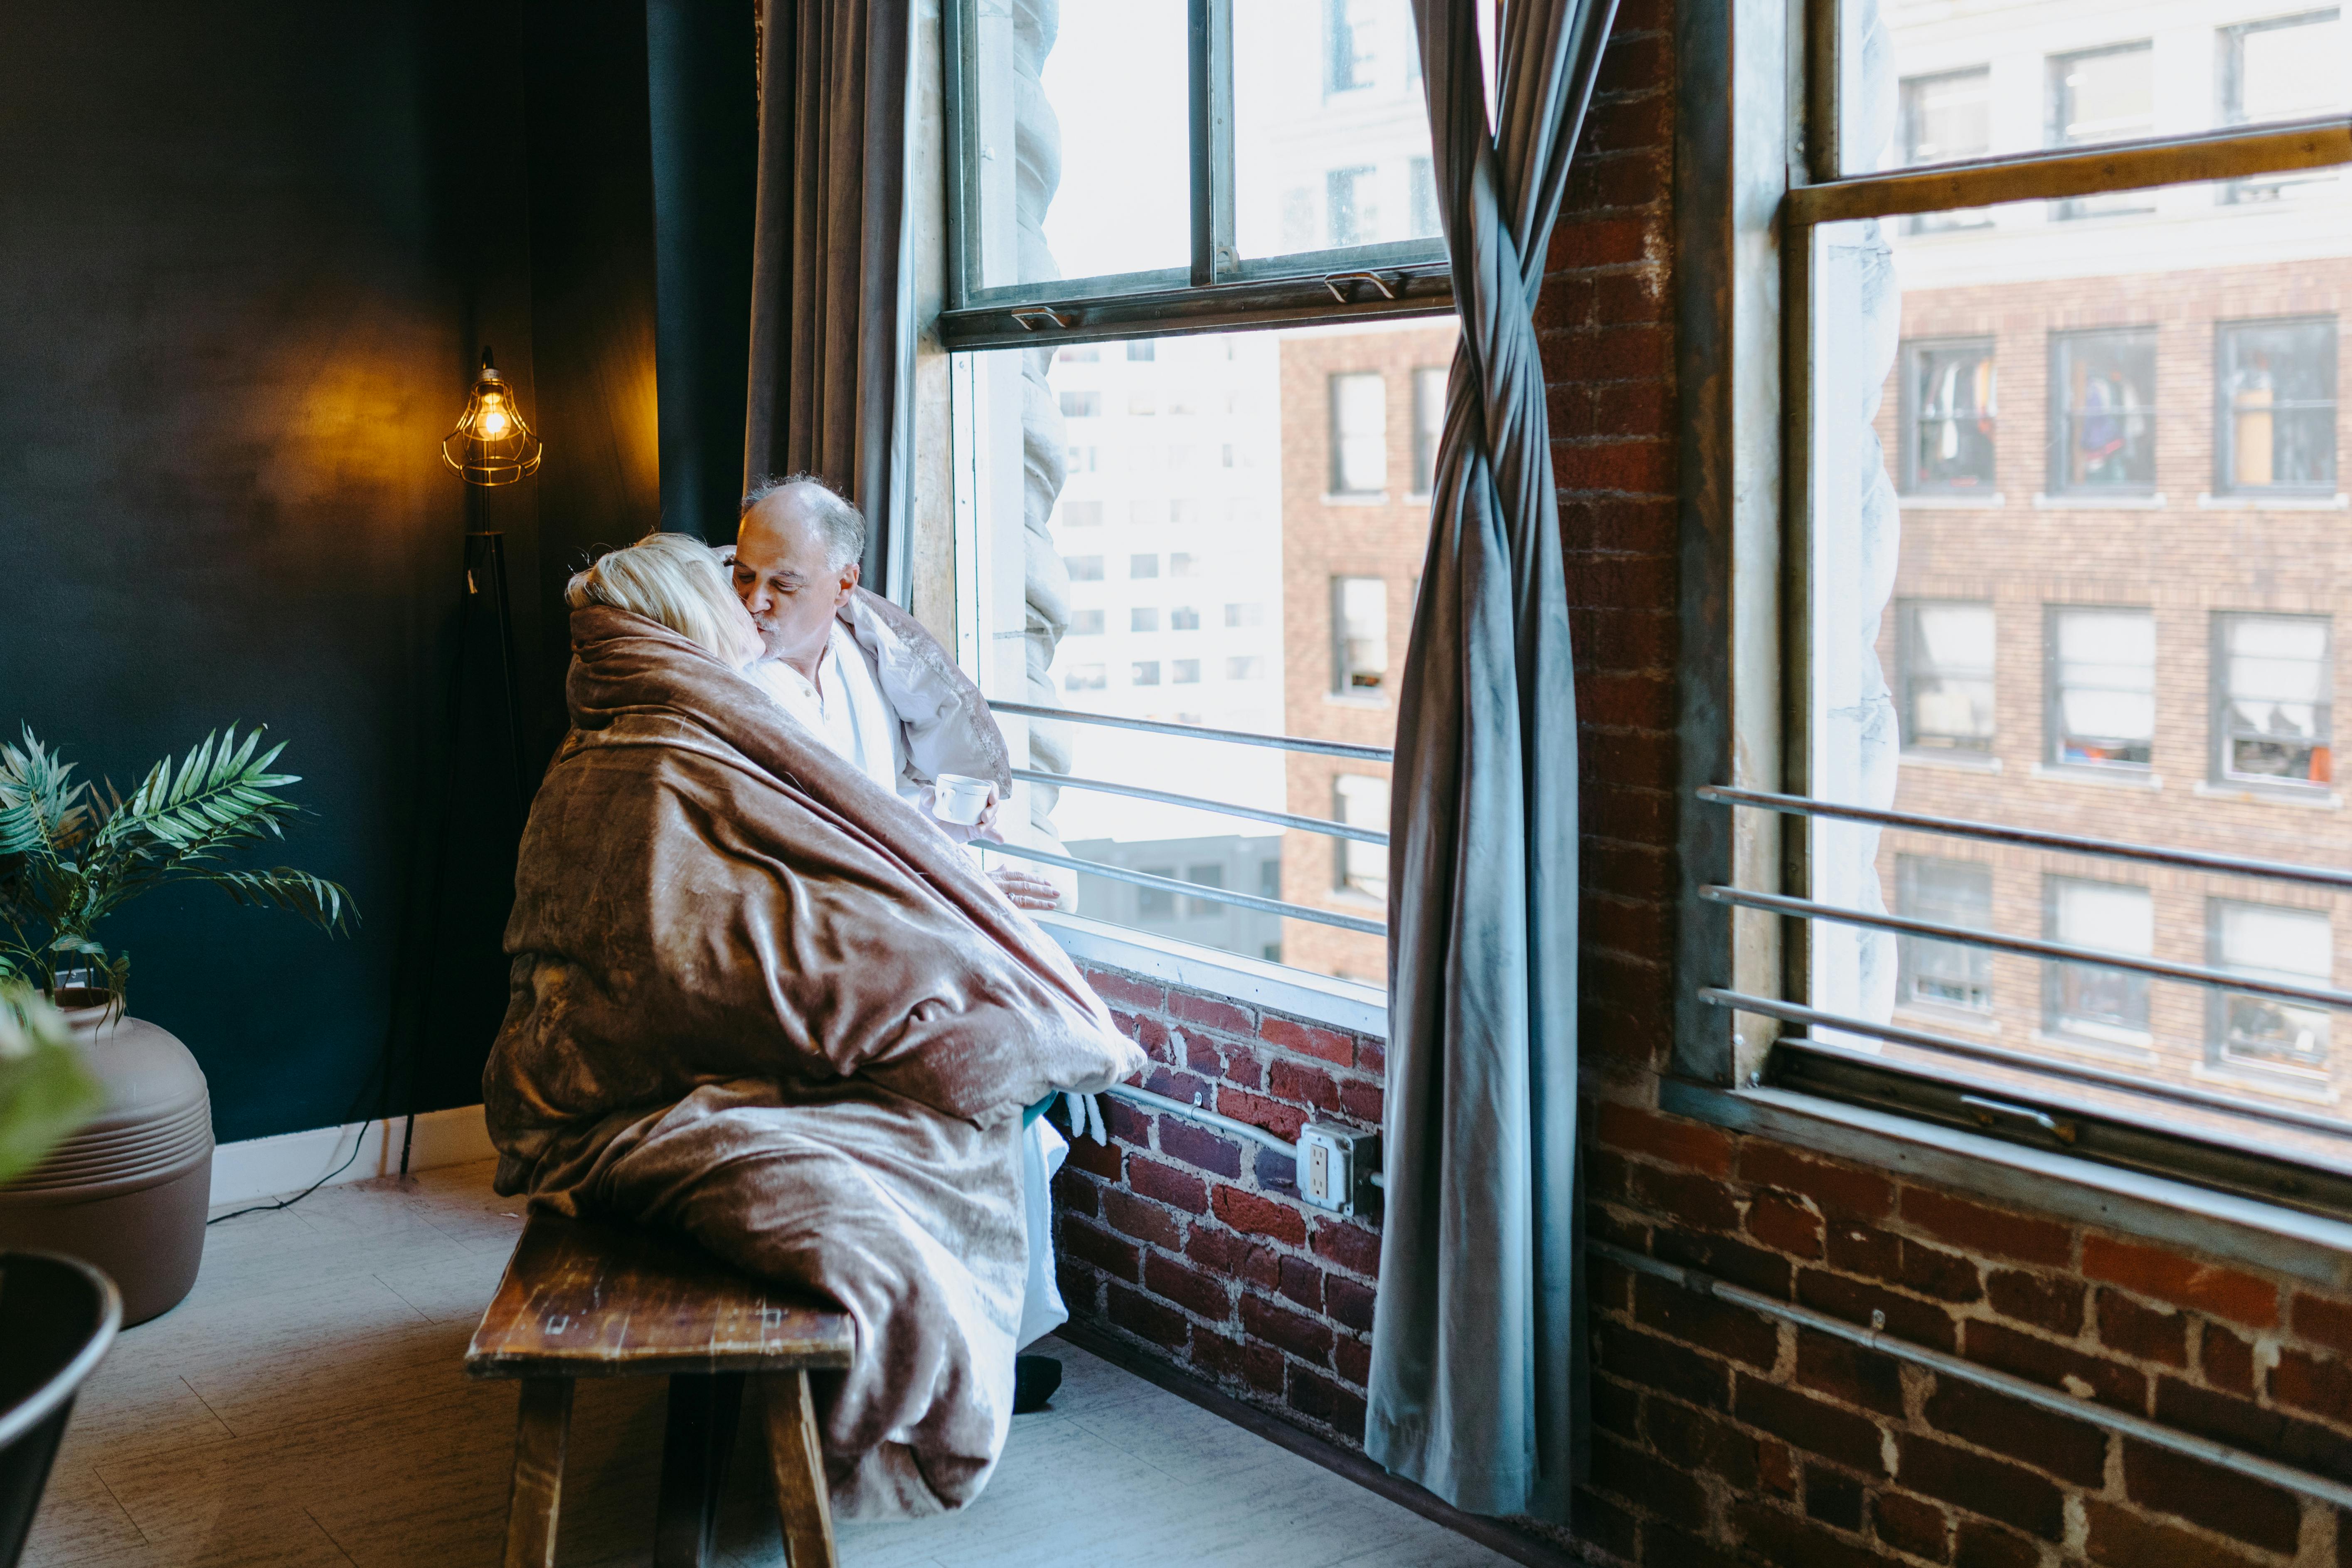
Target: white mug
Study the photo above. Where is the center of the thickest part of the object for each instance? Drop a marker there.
(959, 798)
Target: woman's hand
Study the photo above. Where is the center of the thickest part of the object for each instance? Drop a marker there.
(1027, 889)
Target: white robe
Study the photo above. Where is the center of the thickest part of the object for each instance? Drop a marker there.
(846, 709)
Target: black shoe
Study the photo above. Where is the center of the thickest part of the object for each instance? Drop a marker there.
(1034, 1379)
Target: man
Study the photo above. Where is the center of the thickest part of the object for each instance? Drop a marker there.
(858, 673)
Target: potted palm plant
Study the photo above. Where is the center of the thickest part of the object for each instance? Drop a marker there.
(128, 1192)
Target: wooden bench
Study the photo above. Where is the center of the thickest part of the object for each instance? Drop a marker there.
(581, 1299)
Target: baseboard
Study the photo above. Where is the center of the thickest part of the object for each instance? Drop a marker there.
(1493, 1533)
(289, 1162)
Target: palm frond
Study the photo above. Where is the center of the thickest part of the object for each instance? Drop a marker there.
(219, 795)
(323, 903)
(41, 807)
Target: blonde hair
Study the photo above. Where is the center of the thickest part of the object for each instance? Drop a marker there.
(672, 578)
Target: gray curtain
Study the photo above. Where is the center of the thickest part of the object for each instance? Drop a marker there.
(831, 309)
(1478, 1358)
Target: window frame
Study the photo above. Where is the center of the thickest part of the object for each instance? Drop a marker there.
(2218, 1001)
(1220, 290)
(2062, 413)
(2225, 426)
(1909, 414)
(1908, 666)
(2055, 729)
(2218, 696)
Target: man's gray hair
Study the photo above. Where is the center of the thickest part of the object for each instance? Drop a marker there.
(842, 527)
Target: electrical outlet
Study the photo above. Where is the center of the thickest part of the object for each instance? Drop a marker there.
(1335, 1166)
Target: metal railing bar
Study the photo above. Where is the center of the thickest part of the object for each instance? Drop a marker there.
(2032, 838)
(2220, 1455)
(2029, 947)
(1201, 733)
(1999, 1055)
(1194, 889)
(2235, 153)
(1206, 1117)
(1198, 802)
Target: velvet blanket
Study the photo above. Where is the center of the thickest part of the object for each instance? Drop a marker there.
(759, 999)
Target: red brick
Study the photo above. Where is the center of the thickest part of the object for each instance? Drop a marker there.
(2136, 1328)
(1696, 1201)
(1723, 1258)
(1693, 1441)
(1655, 1363)
(1363, 1101)
(1992, 1487)
(1350, 1247)
(1785, 1224)
(1907, 1318)
(1178, 1189)
(1105, 1251)
(2244, 1509)
(1199, 1147)
(1126, 1123)
(2321, 1384)
(1203, 1295)
(1132, 1216)
(1813, 1425)
(2229, 1359)
(1645, 1482)
(1302, 1282)
(1691, 1144)
(1074, 1193)
(1633, 698)
(1603, 242)
(2065, 1448)
(1372, 1055)
(1153, 1036)
(1306, 1338)
(1897, 1260)
(1643, 467)
(1320, 1399)
(1849, 1374)
(1260, 1112)
(1302, 1085)
(2122, 1539)
(1201, 1056)
(1910, 1525)
(1832, 1497)
(1211, 1013)
(1260, 1366)
(2322, 1321)
(1720, 1327)
(1354, 1360)
(1982, 1545)
(1233, 1257)
(2169, 1277)
(1778, 1537)
(1307, 1040)
(1126, 991)
(1973, 1227)
(1155, 1320)
(1349, 1304)
(1839, 1190)
(1104, 1160)
(1776, 1469)
(2049, 1301)
(2226, 1418)
(2056, 1365)
(1255, 1215)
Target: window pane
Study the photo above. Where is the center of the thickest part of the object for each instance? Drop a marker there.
(1948, 676)
(1334, 153)
(2279, 944)
(2103, 686)
(1360, 437)
(2276, 389)
(2277, 682)
(1261, 580)
(1120, 134)
(2090, 1002)
(2103, 411)
(1949, 416)
(1954, 893)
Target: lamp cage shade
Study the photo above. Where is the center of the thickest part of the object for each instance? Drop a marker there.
(491, 444)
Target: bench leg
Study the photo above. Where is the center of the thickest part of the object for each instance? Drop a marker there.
(542, 1426)
(698, 1439)
(798, 1462)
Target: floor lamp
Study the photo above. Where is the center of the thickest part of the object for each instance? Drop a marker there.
(489, 447)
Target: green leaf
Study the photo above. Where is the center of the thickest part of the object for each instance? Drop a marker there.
(46, 1091)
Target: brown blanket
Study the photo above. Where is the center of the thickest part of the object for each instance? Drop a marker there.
(759, 1000)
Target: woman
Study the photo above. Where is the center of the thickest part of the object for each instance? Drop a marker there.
(758, 999)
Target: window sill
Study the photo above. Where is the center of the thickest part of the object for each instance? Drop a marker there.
(2102, 1053)
(1953, 501)
(1347, 700)
(2078, 500)
(1356, 498)
(1295, 992)
(2276, 794)
(2305, 1086)
(2105, 778)
(2251, 501)
(2305, 1246)
(1955, 762)
(1926, 1015)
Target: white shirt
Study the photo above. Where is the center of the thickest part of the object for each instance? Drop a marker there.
(843, 709)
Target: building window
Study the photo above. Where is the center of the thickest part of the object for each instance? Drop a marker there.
(2090, 1002)
(1084, 568)
(1269, 878)
(2286, 67)
(2273, 680)
(1359, 438)
(1204, 876)
(1143, 566)
(1082, 515)
(1420, 181)
(1143, 620)
(1360, 635)
(1947, 417)
(1351, 42)
(1358, 800)
(1184, 672)
(1946, 662)
(1252, 615)
(1142, 351)
(1144, 673)
(1953, 893)
(1184, 619)
(2275, 385)
(2103, 411)
(1948, 117)
(1245, 666)
(1080, 354)
(1183, 564)
(2102, 687)
(1086, 678)
(1081, 404)
(1155, 902)
(1083, 459)
(1428, 424)
(1352, 204)
(2263, 941)
(1086, 623)
(2103, 95)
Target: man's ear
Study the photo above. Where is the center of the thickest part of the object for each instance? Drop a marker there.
(849, 575)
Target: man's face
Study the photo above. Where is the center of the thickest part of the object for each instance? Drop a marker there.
(782, 576)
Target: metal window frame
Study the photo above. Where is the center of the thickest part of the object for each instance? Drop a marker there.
(1909, 413)
(1218, 290)
(2062, 412)
(2329, 327)
(2053, 718)
(1908, 663)
(2217, 1000)
(1908, 866)
(2217, 695)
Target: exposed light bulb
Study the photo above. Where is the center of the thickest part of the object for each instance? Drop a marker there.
(491, 444)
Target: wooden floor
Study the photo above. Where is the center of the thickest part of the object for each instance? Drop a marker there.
(305, 1405)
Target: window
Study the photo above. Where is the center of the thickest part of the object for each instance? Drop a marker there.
(2264, 943)
(1269, 879)
(2103, 411)
(1084, 568)
(2275, 386)
(1081, 404)
(1359, 440)
(1144, 673)
(1083, 459)
(1428, 424)
(1086, 623)
(1184, 672)
(1360, 635)
(2088, 1003)
(1155, 902)
(1183, 618)
(1143, 620)
(1352, 203)
(1078, 354)
(1420, 181)
(2274, 687)
(1181, 564)
(1142, 566)
(1247, 667)
(1351, 35)
(1947, 117)
(1140, 403)
(1142, 351)
(1082, 515)
(1252, 615)
(2102, 95)
(2283, 67)
(2102, 688)
(1946, 674)
(1208, 876)
(1361, 801)
(1947, 417)
(1953, 893)
(1086, 678)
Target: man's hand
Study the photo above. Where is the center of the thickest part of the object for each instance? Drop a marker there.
(1027, 889)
